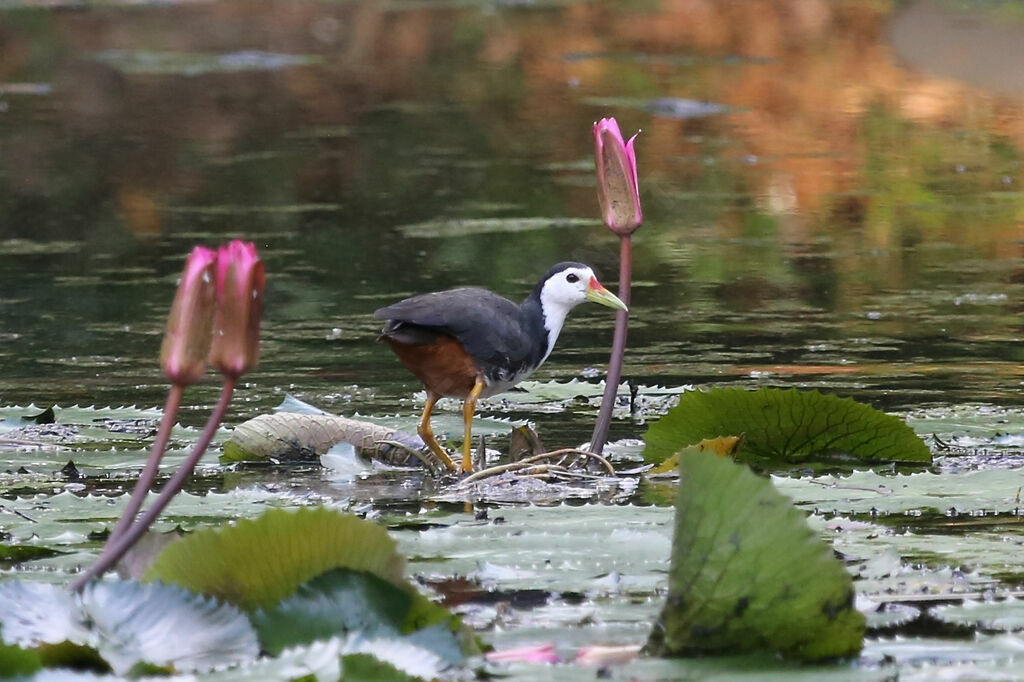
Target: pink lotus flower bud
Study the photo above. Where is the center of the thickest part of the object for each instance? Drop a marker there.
(617, 187)
(236, 330)
(190, 322)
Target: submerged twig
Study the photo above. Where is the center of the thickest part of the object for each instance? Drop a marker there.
(572, 451)
(528, 465)
(493, 471)
(17, 513)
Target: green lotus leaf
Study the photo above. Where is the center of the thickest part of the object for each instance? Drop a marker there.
(33, 613)
(321, 660)
(127, 623)
(785, 426)
(257, 563)
(368, 668)
(18, 662)
(336, 603)
(748, 573)
(341, 602)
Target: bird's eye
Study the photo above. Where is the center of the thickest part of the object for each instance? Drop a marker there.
(572, 278)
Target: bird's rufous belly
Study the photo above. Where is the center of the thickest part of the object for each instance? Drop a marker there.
(443, 367)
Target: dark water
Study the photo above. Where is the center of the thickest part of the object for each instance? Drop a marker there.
(848, 219)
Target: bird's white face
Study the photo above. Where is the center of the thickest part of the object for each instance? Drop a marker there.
(566, 289)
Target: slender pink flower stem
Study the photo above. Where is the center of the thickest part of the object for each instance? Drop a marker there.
(113, 551)
(611, 387)
(149, 472)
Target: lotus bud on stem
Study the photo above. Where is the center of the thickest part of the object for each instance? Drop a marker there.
(231, 331)
(236, 331)
(190, 323)
(183, 359)
(618, 192)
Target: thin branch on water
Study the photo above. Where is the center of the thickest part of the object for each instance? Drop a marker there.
(529, 462)
(572, 451)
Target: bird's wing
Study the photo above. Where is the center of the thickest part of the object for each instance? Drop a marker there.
(490, 327)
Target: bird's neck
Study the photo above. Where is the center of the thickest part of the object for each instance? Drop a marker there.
(546, 318)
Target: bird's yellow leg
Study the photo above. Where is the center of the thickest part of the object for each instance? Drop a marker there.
(468, 408)
(427, 433)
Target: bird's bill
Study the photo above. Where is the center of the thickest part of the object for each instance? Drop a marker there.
(598, 294)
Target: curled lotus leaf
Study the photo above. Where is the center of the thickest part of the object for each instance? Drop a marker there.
(748, 573)
(787, 426)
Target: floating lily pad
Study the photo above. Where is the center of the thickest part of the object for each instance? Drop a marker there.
(785, 426)
(738, 668)
(15, 416)
(971, 426)
(537, 558)
(68, 523)
(868, 491)
(101, 437)
(545, 391)
(991, 653)
(886, 615)
(748, 573)
(1006, 615)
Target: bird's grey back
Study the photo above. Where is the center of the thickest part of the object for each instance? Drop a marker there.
(491, 328)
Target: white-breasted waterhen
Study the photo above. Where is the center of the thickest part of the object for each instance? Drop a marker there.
(470, 343)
